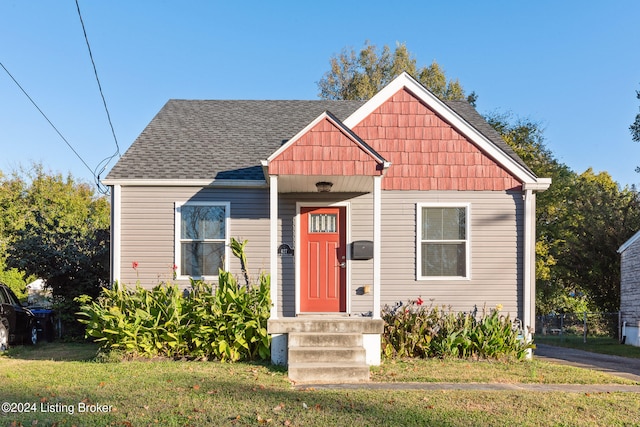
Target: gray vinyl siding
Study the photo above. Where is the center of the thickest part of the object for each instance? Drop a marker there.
(630, 284)
(496, 224)
(147, 229)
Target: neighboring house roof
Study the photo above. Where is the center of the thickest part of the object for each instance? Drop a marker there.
(227, 140)
(629, 242)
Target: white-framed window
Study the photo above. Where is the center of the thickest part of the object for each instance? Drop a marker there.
(442, 247)
(201, 238)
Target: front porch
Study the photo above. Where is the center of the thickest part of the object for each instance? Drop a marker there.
(315, 179)
(326, 349)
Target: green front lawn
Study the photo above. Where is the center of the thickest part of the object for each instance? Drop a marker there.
(59, 379)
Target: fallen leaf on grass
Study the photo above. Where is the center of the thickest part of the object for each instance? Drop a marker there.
(263, 421)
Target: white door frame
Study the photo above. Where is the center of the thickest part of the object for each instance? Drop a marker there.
(321, 204)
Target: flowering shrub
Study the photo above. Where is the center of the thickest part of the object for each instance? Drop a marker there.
(414, 330)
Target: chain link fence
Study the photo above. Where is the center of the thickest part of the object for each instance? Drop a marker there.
(582, 326)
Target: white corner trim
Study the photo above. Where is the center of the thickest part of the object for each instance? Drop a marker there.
(528, 254)
(273, 247)
(377, 246)
(116, 232)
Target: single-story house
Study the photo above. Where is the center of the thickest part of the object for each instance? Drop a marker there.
(349, 205)
(630, 289)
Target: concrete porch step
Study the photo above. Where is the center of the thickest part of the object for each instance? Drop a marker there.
(328, 372)
(320, 324)
(301, 355)
(307, 339)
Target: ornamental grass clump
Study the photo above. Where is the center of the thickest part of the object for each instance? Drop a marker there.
(415, 330)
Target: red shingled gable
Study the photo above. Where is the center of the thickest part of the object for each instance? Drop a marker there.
(426, 153)
(325, 150)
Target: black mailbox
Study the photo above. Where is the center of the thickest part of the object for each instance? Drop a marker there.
(362, 250)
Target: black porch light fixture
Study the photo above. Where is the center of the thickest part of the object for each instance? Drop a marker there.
(324, 186)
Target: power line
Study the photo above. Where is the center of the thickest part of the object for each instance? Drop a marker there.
(47, 119)
(103, 164)
(95, 72)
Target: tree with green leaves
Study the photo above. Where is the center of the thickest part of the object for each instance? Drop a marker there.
(582, 219)
(360, 75)
(56, 229)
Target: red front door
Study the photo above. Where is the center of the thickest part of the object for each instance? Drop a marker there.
(323, 259)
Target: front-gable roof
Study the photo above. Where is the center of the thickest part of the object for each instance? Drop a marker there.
(326, 147)
(460, 115)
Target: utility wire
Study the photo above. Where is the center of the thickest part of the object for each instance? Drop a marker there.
(47, 118)
(103, 164)
(95, 72)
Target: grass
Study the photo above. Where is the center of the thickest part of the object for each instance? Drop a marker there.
(604, 345)
(171, 393)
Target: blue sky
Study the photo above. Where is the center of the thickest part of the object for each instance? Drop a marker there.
(571, 65)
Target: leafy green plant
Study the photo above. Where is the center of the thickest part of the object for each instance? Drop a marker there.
(414, 330)
(225, 322)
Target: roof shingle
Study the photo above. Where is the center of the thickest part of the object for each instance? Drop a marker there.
(227, 139)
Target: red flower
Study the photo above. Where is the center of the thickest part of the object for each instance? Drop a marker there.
(175, 267)
(419, 301)
(134, 265)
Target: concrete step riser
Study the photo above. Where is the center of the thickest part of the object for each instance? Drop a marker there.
(324, 340)
(338, 355)
(333, 374)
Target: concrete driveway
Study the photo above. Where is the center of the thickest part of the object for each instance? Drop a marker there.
(624, 367)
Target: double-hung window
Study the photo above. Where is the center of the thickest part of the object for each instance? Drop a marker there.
(202, 238)
(442, 241)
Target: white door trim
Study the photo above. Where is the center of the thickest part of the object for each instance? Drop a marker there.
(305, 204)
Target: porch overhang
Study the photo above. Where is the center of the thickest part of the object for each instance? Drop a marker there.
(324, 152)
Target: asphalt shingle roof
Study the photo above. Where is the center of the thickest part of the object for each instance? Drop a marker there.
(218, 139)
(202, 139)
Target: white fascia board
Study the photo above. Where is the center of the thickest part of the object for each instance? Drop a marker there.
(218, 183)
(541, 184)
(403, 81)
(629, 242)
(338, 125)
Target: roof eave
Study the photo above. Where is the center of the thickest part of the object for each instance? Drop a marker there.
(217, 183)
